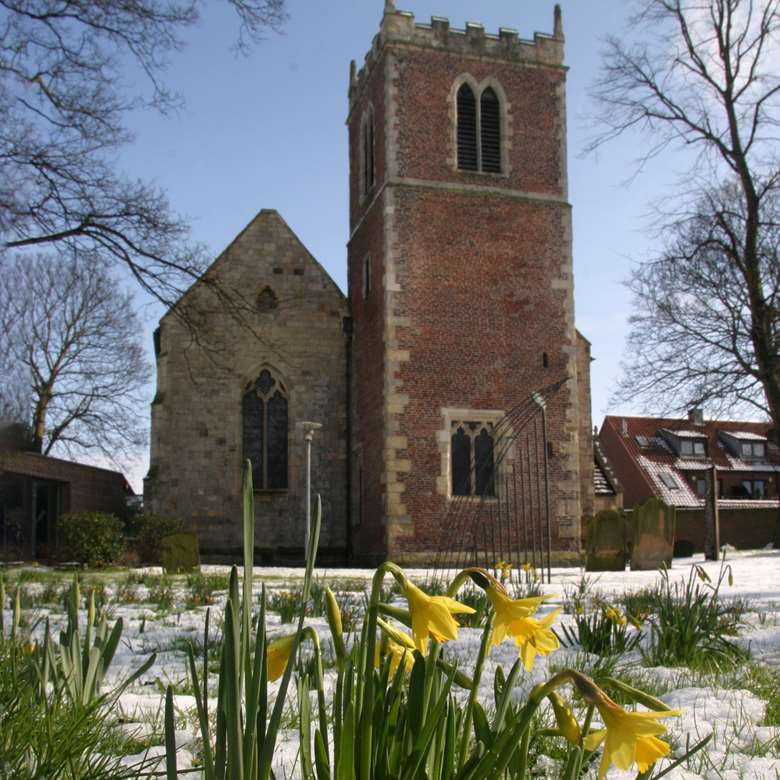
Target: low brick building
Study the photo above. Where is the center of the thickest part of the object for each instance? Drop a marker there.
(460, 309)
(671, 458)
(35, 490)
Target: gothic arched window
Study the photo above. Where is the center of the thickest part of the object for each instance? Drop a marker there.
(467, 129)
(472, 459)
(265, 422)
(478, 130)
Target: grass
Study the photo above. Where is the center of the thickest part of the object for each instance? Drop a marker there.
(603, 631)
(691, 625)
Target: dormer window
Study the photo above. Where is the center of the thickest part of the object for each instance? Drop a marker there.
(696, 448)
(753, 450)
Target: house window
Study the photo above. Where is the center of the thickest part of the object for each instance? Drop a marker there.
(478, 130)
(366, 276)
(472, 459)
(264, 412)
(669, 481)
(701, 487)
(696, 448)
(752, 488)
(367, 161)
(753, 450)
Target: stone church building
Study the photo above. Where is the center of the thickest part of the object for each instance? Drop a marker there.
(460, 307)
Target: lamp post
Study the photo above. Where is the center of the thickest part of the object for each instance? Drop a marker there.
(308, 435)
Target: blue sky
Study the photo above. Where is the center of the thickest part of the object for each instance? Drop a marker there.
(267, 131)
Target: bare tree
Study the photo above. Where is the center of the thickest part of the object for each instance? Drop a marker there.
(67, 326)
(692, 338)
(64, 111)
(704, 75)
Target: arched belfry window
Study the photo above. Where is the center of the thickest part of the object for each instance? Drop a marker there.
(467, 129)
(367, 161)
(490, 131)
(265, 424)
(478, 130)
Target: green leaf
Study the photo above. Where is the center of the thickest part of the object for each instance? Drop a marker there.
(170, 737)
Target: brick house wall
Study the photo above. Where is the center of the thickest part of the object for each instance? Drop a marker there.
(472, 306)
(196, 439)
(745, 529)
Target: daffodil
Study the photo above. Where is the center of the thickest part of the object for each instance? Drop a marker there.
(509, 611)
(535, 637)
(432, 616)
(614, 616)
(399, 645)
(279, 651)
(629, 737)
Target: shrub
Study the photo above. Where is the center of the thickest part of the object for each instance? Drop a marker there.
(94, 538)
(150, 530)
(604, 631)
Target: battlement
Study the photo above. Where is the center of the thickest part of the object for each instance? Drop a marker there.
(400, 27)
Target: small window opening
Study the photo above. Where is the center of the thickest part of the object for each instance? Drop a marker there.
(472, 459)
(366, 276)
(545, 360)
(478, 130)
(467, 129)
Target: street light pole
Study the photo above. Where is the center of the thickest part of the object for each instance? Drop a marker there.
(308, 431)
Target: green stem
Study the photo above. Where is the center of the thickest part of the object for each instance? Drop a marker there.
(367, 709)
(309, 632)
(483, 650)
(585, 731)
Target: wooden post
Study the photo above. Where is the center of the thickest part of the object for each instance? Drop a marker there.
(711, 517)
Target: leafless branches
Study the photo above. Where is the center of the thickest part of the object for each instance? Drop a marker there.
(72, 335)
(63, 113)
(704, 75)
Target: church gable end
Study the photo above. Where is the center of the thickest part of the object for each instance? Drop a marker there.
(273, 357)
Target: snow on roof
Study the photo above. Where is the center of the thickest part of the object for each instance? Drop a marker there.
(661, 474)
(601, 486)
(744, 435)
(687, 434)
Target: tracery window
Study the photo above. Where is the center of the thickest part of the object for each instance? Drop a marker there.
(478, 130)
(264, 412)
(472, 459)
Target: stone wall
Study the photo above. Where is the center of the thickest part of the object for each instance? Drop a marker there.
(196, 455)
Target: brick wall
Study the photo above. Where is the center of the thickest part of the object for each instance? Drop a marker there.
(476, 273)
(745, 529)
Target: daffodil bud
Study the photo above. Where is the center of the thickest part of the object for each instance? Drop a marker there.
(278, 655)
(564, 717)
(333, 614)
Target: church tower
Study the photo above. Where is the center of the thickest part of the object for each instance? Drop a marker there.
(460, 273)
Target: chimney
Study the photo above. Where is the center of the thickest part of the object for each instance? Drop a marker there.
(696, 415)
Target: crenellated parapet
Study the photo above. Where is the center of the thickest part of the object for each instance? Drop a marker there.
(400, 27)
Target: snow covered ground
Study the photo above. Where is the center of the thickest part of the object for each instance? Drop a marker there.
(742, 747)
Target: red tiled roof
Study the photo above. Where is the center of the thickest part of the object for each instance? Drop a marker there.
(643, 440)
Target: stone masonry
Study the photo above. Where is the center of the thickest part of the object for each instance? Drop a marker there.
(285, 314)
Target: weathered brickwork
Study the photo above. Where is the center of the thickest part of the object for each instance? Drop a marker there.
(476, 307)
(196, 455)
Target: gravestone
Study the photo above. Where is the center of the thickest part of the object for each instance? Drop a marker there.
(179, 553)
(605, 546)
(652, 530)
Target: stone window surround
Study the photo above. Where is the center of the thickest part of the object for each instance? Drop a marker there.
(365, 188)
(444, 438)
(504, 106)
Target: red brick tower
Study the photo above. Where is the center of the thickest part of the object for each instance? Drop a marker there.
(460, 270)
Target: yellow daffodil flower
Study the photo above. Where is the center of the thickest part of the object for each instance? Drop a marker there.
(534, 637)
(509, 611)
(629, 737)
(614, 616)
(432, 616)
(399, 645)
(278, 655)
